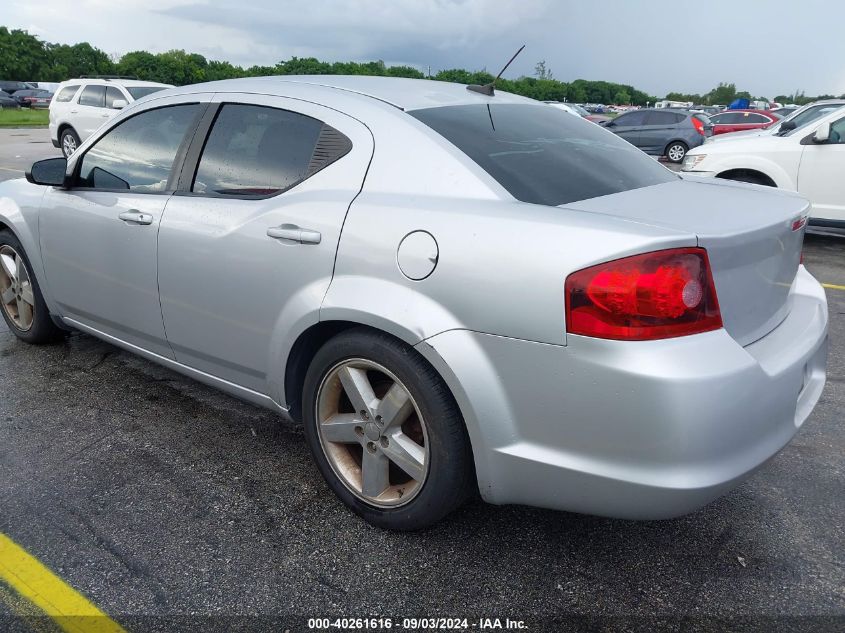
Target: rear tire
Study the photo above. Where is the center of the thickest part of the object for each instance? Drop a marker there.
(675, 151)
(69, 141)
(21, 301)
(401, 462)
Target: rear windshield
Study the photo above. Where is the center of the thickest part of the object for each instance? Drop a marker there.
(143, 91)
(544, 155)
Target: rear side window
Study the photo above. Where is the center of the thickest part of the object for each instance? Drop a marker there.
(256, 151)
(142, 91)
(138, 154)
(544, 155)
(66, 93)
(664, 118)
(113, 94)
(93, 96)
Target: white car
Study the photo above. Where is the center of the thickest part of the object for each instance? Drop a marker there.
(80, 106)
(797, 118)
(809, 159)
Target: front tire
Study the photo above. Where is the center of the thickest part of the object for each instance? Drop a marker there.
(69, 141)
(21, 301)
(676, 151)
(385, 432)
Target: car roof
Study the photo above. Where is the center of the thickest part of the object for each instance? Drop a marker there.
(127, 83)
(405, 94)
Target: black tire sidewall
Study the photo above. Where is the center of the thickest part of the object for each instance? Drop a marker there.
(447, 484)
(43, 329)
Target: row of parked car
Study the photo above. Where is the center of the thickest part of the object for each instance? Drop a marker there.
(19, 94)
(802, 151)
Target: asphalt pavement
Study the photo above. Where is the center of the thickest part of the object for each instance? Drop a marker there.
(172, 506)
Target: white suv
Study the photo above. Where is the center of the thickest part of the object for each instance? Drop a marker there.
(808, 158)
(80, 106)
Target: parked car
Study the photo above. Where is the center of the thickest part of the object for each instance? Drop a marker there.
(80, 106)
(708, 110)
(742, 121)
(809, 159)
(798, 118)
(574, 108)
(662, 131)
(10, 87)
(453, 292)
(33, 98)
(7, 101)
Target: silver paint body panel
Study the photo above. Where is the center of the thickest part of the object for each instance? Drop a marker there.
(635, 429)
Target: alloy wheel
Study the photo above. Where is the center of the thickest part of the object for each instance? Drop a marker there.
(676, 153)
(68, 144)
(372, 433)
(16, 292)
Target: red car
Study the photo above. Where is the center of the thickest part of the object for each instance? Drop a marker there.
(739, 120)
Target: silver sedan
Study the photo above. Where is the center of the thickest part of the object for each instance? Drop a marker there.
(455, 292)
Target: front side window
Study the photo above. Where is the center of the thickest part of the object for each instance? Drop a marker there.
(66, 93)
(93, 96)
(261, 151)
(138, 154)
(632, 118)
(837, 133)
(811, 114)
(544, 155)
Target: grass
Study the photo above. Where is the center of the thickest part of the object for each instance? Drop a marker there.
(25, 117)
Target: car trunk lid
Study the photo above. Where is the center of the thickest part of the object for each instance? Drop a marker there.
(753, 238)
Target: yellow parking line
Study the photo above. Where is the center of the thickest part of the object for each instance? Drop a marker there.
(833, 286)
(33, 581)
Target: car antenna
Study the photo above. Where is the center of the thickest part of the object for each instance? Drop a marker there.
(487, 89)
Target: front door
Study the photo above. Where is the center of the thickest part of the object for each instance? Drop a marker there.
(246, 252)
(98, 238)
(820, 175)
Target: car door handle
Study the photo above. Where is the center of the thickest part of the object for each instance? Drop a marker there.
(294, 233)
(136, 217)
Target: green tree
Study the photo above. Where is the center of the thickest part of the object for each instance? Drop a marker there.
(541, 71)
(23, 57)
(722, 94)
(77, 60)
(622, 98)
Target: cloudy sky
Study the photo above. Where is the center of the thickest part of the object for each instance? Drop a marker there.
(767, 47)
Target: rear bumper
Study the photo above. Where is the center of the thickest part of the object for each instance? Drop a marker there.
(639, 430)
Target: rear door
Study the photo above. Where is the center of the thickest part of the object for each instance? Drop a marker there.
(820, 174)
(90, 110)
(660, 128)
(247, 247)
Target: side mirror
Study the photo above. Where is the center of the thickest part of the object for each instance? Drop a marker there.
(606, 123)
(119, 104)
(50, 171)
(786, 126)
(822, 134)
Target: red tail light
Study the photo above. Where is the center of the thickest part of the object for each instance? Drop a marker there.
(699, 126)
(651, 296)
